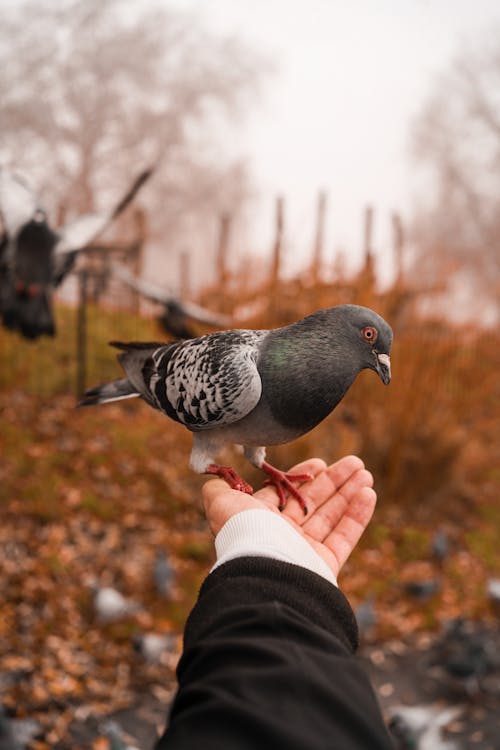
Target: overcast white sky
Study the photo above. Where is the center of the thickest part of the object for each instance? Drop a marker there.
(336, 115)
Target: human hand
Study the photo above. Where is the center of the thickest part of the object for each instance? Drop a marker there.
(340, 499)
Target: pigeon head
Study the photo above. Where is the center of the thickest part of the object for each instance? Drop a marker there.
(369, 338)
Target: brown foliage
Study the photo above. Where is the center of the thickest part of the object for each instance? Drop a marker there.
(94, 493)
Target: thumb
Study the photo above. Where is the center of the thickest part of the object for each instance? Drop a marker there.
(221, 502)
(217, 489)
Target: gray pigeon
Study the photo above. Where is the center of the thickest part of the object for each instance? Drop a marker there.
(34, 258)
(466, 652)
(366, 616)
(420, 727)
(493, 590)
(116, 736)
(163, 573)
(152, 646)
(111, 605)
(440, 545)
(8, 740)
(177, 314)
(16, 734)
(254, 388)
(422, 590)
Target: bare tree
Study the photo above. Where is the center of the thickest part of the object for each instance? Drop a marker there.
(90, 87)
(457, 137)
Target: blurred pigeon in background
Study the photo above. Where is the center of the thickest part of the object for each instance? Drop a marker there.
(16, 734)
(110, 605)
(34, 258)
(422, 590)
(366, 617)
(440, 546)
(116, 736)
(465, 653)
(420, 727)
(254, 388)
(493, 591)
(177, 314)
(163, 574)
(26, 254)
(7, 738)
(152, 646)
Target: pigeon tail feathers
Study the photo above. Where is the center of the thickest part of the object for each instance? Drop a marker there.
(127, 346)
(117, 390)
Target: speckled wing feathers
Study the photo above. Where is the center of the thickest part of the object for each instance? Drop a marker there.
(210, 381)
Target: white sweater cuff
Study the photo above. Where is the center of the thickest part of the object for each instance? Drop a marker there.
(261, 533)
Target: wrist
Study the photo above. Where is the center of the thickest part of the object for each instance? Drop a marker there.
(258, 532)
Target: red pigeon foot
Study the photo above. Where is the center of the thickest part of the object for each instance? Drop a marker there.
(284, 483)
(231, 477)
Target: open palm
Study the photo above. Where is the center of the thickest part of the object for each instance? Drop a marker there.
(340, 499)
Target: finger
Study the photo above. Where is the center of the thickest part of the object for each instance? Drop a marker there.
(220, 502)
(326, 517)
(312, 466)
(342, 540)
(340, 471)
(325, 484)
(214, 489)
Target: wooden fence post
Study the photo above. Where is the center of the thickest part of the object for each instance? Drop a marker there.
(278, 242)
(398, 240)
(137, 256)
(368, 236)
(319, 237)
(184, 274)
(222, 249)
(81, 333)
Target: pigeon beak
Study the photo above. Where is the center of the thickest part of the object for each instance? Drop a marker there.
(383, 367)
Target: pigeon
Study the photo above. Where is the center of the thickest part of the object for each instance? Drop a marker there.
(440, 546)
(176, 314)
(366, 616)
(110, 605)
(16, 734)
(34, 258)
(152, 646)
(419, 727)
(422, 590)
(116, 736)
(493, 590)
(465, 653)
(8, 740)
(25, 259)
(254, 387)
(163, 574)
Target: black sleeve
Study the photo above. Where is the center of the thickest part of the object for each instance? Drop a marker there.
(269, 662)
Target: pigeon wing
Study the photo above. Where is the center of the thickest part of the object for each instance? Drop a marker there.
(79, 233)
(165, 297)
(18, 203)
(151, 291)
(208, 382)
(203, 315)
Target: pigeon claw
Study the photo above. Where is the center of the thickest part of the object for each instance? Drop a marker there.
(229, 475)
(283, 482)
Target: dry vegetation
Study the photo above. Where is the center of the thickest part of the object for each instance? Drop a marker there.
(94, 493)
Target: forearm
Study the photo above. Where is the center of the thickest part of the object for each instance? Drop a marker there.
(268, 660)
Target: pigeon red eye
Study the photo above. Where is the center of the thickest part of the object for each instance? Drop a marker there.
(370, 334)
